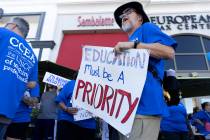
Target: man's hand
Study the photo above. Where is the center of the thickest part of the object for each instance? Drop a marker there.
(30, 101)
(122, 46)
(72, 110)
(31, 84)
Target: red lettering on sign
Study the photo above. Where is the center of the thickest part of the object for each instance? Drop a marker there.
(95, 21)
(99, 97)
(107, 98)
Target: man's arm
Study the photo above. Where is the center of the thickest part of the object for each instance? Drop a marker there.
(70, 110)
(199, 122)
(157, 50)
(197, 117)
(33, 78)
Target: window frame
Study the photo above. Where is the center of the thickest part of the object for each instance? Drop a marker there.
(204, 53)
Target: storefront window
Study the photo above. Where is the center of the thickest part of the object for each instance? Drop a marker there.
(189, 44)
(191, 62)
(35, 21)
(206, 43)
(192, 53)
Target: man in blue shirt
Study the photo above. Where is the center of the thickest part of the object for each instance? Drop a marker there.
(175, 126)
(17, 129)
(67, 128)
(144, 35)
(201, 119)
(18, 68)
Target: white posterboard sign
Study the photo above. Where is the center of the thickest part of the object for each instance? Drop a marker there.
(82, 115)
(55, 80)
(110, 86)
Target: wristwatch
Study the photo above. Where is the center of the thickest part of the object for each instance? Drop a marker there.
(136, 42)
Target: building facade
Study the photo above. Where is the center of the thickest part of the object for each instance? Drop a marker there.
(73, 24)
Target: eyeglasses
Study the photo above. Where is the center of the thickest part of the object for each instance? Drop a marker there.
(126, 13)
(12, 28)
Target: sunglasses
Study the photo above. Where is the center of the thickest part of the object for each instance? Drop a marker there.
(126, 13)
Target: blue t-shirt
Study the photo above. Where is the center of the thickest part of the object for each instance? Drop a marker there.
(204, 117)
(18, 66)
(24, 111)
(65, 97)
(152, 100)
(176, 121)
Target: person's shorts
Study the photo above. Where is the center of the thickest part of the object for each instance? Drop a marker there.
(17, 130)
(144, 128)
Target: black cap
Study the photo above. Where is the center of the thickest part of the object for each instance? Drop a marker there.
(133, 5)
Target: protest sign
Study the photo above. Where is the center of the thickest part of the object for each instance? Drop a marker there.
(82, 114)
(110, 86)
(55, 80)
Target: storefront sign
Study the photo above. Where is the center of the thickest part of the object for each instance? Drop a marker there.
(188, 22)
(95, 21)
(106, 85)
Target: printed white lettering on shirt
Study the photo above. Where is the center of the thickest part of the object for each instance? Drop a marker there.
(25, 51)
(19, 59)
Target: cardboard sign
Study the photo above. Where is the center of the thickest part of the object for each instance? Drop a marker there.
(82, 115)
(55, 80)
(110, 86)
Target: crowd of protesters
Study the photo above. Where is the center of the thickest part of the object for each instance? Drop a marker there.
(160, 114)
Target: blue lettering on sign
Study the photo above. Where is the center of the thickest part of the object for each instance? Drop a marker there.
(121, 77)
(50, 79)
(60, 81)
(56, 80)
(108, 57)
(107, 75)
(91, 71)
(84, 114)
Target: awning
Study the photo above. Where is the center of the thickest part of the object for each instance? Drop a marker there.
(194, 87)
(47, 66)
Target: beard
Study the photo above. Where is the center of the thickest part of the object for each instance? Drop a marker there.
(127, 27)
